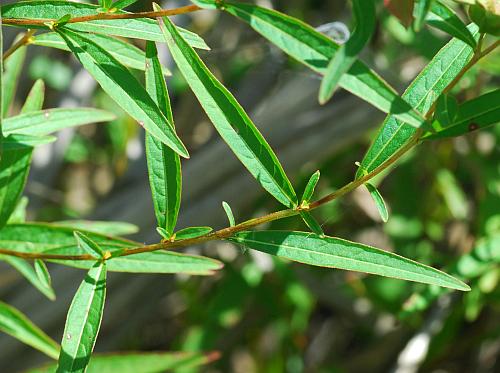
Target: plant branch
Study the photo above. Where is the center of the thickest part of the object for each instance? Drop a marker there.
(20, 43)
(103, 16)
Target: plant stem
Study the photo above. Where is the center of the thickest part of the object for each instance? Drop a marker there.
(104, 16)
(21, 42)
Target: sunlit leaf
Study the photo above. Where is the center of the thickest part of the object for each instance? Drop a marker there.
(35, 98)
(422, 93)
(114, 228)
(83, 321)
(230, 119)
(86, 243)
(164, 165)
(364, 15)
(229, 213)
(12, 66)
(30, 274)
(44, 122)
(421, 10)
(128, 54)
(124, 88)
(13, 322)
(331, 252)
(379, 202)
(192, 232)
(311, 185)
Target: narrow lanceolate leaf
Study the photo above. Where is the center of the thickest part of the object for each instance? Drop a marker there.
(164, 165)
(379, 202)
(12, 70)
(141, 362)
(128, 54)
(229, 213)
(192, 232)
(480, 112)
(364, 15)
(83, 321)
(312, 223)
(421, 10)
(44, 122)
(231, 121)
(124, 88)
(142, 28)
(43, 273)
(120, 4)
(22, 141)
(14, 169)
(153, 262)
(45, 238)
(421, 94)
(445, 19)
(113, 228)
(315, 50)
(13, 322)
(35, 98)
(30, 274)
(311, 185)
(331, 252)
(88, 245)
(16, 156)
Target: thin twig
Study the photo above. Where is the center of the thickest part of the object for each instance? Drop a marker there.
(20, 43)
(104, 16)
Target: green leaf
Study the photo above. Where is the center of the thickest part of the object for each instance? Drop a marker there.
(365, 18)
(45, 238)
(1, 81)
(124, 88)
(43, 273)
(445, 113)
(19, 213)
(44, 122)
(120, 4)
(311, 185)
(445, 19)
(142, 28)
(83, 321)
(229, 118)
(13, 66)
(192, 232)
(164, 165)
(13, 322)
(126, 53)
(14, 169)
(35, 98)
(116, 228)
(16, 142)
(421, 94)
(163, 232)
(164, 262)
(311, 223)
(379, 202)
(315, 50)
(30, 274)
(88, 245)
(331, 252)
(472, 115)
(140, 362)
(421, 10)
(229, 213)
